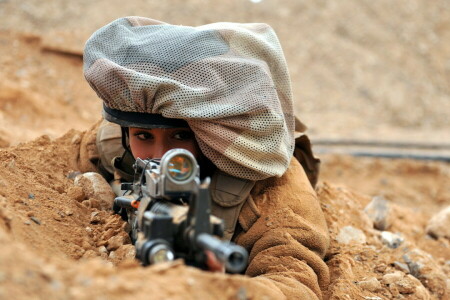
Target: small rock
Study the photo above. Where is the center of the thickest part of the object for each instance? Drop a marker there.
(112, 255)
(102, 249)
(350, 234)
(439, 224)
(88, 229)
(416, 260)
(95, 186)
(76, 139)
(31, 196)
(76, 193)
(73, 174)
(405, 287)
(394, 291)
(391, 278)
(95, 218)
(392, 240)
(372, 298)
(380, 268)
(27, 222)
(378, 212)
(401, 266)
(108, 234)
(126, 252)
(30, 214)
(422, 293)
(413, 279)
(68, 212)
(115, 242)
(371, 285)
(35, 220)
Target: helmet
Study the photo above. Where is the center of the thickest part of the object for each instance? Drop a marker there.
(141, 120)
(228, 82)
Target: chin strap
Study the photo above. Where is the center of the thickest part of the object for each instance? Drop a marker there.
(125, 138)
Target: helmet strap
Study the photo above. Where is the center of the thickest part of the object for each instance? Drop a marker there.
(125, 138)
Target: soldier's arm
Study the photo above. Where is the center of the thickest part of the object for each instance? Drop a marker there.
(284, 229)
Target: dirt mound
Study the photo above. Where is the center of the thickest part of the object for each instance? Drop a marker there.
(69, 247)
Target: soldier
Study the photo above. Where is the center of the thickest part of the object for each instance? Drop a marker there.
(223, 92)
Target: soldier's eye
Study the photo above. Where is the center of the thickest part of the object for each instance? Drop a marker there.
(143, 135)
(183, 135)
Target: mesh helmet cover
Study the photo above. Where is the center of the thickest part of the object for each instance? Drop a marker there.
(229, 82)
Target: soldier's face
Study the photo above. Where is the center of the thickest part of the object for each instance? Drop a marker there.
(153, 143)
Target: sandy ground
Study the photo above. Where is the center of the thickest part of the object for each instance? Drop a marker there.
(360, 69)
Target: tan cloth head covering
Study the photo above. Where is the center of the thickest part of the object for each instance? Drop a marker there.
(228, 81)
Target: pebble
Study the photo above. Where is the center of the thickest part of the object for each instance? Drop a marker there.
(95, 218)
(372, 284)
(350, 234)
(415, 260)
(392, 240)
(439, 224)
(115, 242)
(76, 193)
(35, 220)
(422, 293)
(391, 278)
(378, 212)
(405, 286)
(76, 139)
(31, 196)
(102, 249)
(127, 251)
(95, 186)
(401, 266)
(380, 268)
(73, 174)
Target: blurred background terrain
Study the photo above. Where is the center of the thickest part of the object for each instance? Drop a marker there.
(360, 69)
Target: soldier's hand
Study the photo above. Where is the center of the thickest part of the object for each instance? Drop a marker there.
(214, 265)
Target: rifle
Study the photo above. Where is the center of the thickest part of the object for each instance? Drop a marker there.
(169, 211)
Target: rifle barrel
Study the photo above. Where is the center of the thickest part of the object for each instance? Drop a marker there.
(233, 256)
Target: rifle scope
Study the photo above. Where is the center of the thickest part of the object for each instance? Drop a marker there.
(178, 174)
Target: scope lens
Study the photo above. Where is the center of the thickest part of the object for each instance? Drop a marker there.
(180, 167)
